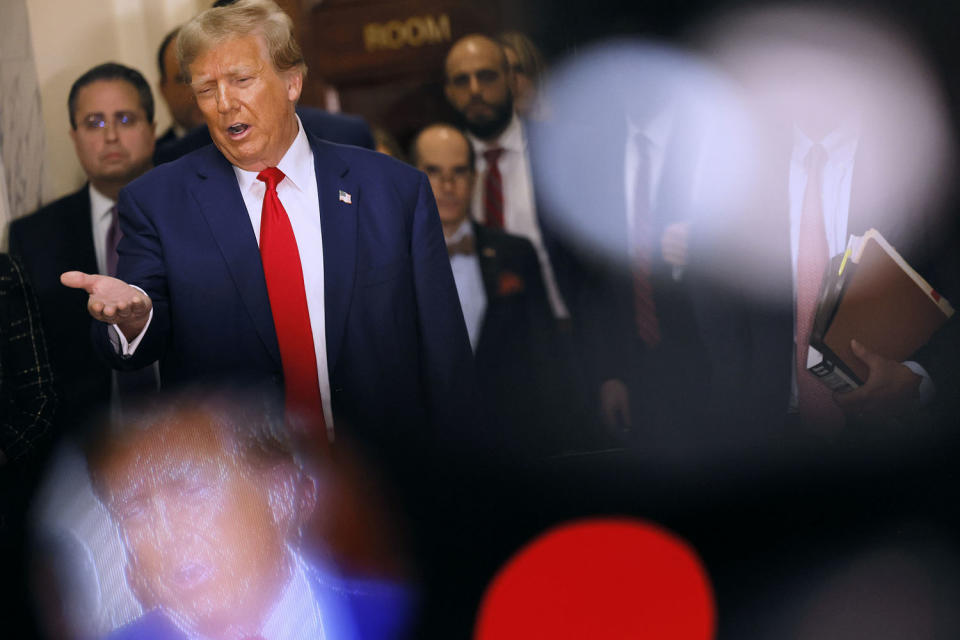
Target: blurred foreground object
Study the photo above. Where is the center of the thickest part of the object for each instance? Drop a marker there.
(601, 578)
(216, 512)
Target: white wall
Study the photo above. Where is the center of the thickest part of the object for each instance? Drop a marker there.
(69, 37)
(21, 126)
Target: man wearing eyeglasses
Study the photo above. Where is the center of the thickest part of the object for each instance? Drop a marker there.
(502, 296)
(113, 130)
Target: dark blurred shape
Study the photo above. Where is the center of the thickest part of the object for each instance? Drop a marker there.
(217, 509)
(601, 578)
(28, 404)
(386, 143)
(643, 140)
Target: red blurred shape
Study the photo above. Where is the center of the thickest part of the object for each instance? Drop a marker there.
(601, 578)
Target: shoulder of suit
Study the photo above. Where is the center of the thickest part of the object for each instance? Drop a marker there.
(368, 160)
(76, 203)
(507, 241)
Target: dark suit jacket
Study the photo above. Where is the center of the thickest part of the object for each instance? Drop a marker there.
(590, 191)
(514, 350)
(332, 127)
(749, 337)
(27, 397)
(397, 349)
(58, 238)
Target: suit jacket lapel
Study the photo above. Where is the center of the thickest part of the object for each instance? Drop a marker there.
(339, 216)
(84, 254)
(489, 261)
(221, 203)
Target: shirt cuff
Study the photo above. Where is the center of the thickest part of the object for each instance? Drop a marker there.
(119, 341)
(927, 389)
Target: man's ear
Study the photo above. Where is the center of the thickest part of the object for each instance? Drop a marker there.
(293, 497)
(294, 84)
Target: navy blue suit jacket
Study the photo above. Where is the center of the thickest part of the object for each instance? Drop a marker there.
(397, 350)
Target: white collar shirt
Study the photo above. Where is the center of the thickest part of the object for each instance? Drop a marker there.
(100, 219)
(655, 134)
(468, 277)
(519, 202)
(300, 198)
(840, 146)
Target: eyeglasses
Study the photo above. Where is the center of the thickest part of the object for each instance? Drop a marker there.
(124, 119)
(457, 174)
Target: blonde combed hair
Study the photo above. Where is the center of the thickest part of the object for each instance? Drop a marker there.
(242, 18)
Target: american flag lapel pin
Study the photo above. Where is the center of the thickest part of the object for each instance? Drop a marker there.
(345, 197)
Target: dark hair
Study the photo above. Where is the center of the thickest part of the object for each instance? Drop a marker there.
(167, 39)
(471, 154)
(111, 71)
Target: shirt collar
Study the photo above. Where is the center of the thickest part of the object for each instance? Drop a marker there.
(99, 204)
(465, 229)
(656, 130)
(295, 615)
(840, 144)
(512, 138)
(296, 164)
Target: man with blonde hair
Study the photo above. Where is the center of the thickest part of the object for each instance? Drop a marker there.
(274, 257)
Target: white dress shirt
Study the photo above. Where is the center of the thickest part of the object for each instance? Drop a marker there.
(519, 203)
(100, 219)
(841, 148)
(657, 133)
(469, 281)
(299, 196)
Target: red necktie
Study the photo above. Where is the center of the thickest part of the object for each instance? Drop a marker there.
(645, 311)
(288, 302)
(815, 399)
(493, 190)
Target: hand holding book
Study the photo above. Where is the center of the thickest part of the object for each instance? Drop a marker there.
(891, 389)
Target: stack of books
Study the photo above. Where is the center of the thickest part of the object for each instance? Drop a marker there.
(872, 295)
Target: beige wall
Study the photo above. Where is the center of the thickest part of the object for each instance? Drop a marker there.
(69, 37)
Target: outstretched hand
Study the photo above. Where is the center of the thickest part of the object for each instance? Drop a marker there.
(112, 301)
(891, 388)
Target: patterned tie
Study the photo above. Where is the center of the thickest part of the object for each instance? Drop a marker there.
(113, 239)
(464, 247)
(493, 190)
(645, 311)
(288, 303)
(816, 404)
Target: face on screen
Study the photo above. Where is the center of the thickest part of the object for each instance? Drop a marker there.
(204, 535)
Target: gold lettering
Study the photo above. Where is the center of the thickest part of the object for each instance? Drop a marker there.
(373, 36)
(415, 31)
(444, 28)
(396, 34)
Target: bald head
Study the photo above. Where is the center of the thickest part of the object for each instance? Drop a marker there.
(478, 85)
(445, 155)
